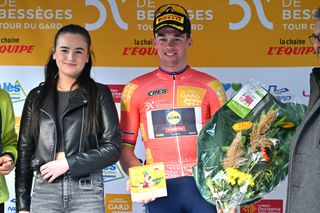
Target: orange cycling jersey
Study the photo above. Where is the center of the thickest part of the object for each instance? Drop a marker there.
(170, 109)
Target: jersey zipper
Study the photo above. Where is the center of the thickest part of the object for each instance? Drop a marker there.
(173, 107)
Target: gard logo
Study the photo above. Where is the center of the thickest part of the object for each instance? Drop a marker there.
(118, 203)
(173, 117)
(15, 90)
(112, 173)
(11, 206)
(243, 4)
(280, 93)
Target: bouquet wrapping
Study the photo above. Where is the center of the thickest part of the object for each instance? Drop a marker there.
(243, 151)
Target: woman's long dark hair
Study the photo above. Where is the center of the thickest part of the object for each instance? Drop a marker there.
(83, 81)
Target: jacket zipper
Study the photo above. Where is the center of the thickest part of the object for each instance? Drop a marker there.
(55, 143)
(81, 133)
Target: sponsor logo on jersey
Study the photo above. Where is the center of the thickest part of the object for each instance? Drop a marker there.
(126, 96)
(190, 96)
(173, 117)
(157, 92)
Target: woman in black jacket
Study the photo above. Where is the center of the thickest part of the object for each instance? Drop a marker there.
(69, 132)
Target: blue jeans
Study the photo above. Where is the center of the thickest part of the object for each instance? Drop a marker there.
(68, 195)
(183, 197)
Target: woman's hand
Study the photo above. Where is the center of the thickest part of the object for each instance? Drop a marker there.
(6, 164)
(54, 169)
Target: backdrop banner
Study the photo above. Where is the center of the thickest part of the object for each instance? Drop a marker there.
(226, 33)
(233, 40)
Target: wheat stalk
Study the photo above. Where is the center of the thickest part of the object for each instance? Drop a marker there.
(258, 137)
(234, 157)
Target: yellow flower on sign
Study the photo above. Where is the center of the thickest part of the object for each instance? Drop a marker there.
(242, 125)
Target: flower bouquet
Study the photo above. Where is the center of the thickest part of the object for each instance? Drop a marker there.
(243, 151)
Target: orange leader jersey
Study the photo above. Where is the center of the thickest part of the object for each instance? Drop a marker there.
(170, 110)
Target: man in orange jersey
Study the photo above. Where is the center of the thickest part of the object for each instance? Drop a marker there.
(170, 105)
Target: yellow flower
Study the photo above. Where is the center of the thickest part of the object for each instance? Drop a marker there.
(235, 176)
(242, 125)
(231, 175)
(246, 178)
(287, 125)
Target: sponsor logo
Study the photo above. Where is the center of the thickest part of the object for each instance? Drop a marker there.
(170, 17)
(219, 90)
(17, 48)
(287, 50)
(158, 92)
(190, 96)
(126, 96)
(15, 90)
(112, 173)
(102, 15)
(280, 93)
(247, 11)
(149, 105)
(145, 51)
(264, 206)
(118, 203)
(173, 117)
(116, 90)
(11, 206)
(173, 129)
(246, 99)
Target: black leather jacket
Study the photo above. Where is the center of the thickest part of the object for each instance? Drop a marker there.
(85, 154)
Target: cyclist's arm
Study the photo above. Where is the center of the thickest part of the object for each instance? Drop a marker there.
(130, 120)
(128, 158)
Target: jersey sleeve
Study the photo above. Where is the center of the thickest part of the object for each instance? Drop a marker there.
(216, 95)
(130, 119)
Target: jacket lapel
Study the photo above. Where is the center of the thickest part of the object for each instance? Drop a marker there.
(77, 99)
(49, 104)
